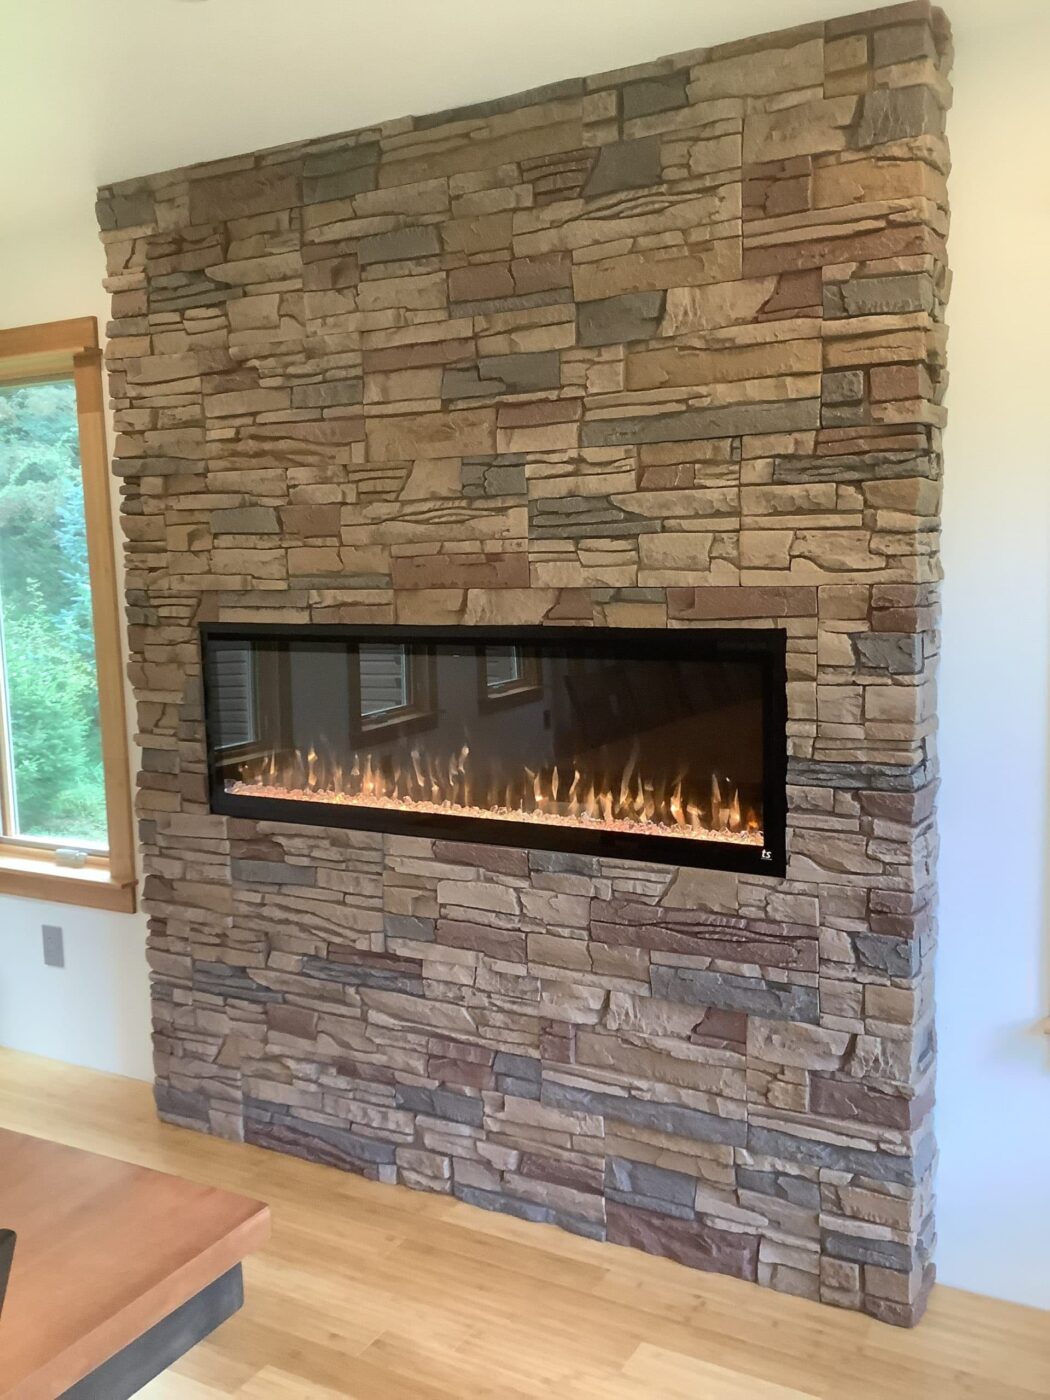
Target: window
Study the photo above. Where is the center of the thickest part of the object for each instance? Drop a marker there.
(385, 683)
(508, 675)
(65, 824)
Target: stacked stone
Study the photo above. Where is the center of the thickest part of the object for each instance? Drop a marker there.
(662, 347)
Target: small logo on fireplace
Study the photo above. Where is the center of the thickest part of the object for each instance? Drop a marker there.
(767, 855)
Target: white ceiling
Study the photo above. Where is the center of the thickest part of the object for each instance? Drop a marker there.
(100, 90)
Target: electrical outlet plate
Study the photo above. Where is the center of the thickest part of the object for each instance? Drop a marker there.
(54, 946)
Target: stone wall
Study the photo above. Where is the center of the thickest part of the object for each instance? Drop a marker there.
(662, 347)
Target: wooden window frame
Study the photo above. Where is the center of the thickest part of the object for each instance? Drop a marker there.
(70, 349)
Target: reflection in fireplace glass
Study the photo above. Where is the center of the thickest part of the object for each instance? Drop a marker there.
(608, 734)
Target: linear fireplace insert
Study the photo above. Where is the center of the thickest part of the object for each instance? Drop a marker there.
(666, 746)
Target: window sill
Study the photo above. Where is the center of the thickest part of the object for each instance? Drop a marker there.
(35, 877)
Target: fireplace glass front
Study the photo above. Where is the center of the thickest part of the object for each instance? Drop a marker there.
(663, 745)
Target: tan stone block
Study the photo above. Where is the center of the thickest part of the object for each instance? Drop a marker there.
(813, 127)
(425, 292)
(681, 365)
(765, 549)
(767, 70)
(691, 309)
(466, 432)
(846, 53)
(717, 261)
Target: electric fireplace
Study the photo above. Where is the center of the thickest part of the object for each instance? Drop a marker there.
(665, 746)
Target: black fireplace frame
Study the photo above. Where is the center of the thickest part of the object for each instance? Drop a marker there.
(764, 645)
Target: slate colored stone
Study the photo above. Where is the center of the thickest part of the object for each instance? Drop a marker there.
(625, 1180)
(783, 1186)
(409, 926)
(702, 423)
(625, 165)
(898, 653)
(441, 1103)
(886, 1254)
(399, 245)
(664, 1117)
(895, 957)
(810, 1152)
(844, 386)
(219, 979)
(527, 1210)
(245, 520)
(879, 296)
(775, 1001)
(502, 374)
(877, 777)
(651, 95)
(340, 174)
(523, 1067)
(271, 872)
(387, 979)
(317, 1142)
(897, 114)
(620, 319)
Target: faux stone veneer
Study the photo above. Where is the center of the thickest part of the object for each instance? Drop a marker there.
(662, 347)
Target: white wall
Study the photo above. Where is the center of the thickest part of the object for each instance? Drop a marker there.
(994, 1080)
(993, 1114)
(95, 1010)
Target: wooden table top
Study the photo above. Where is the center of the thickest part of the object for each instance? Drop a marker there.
(104, 1251)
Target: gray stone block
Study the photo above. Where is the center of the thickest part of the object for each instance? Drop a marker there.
(245, 520)
(664, 1117)
(904, 1170)
(899, 653)
(639, 1179)
(652, 95)
(774, 1000)
(400, 244)
(528, 1210)
(795, 1189)
(886, 1254)
(441, 1103)
(621, 319)
(519, 1066)
(271, 872)
(895, 957)
(842, 386)
(897, 114)
(409, 926)
(879, 296)
(790, 415)
(625, 165)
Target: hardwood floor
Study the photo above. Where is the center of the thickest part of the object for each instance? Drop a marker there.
(380, 1293)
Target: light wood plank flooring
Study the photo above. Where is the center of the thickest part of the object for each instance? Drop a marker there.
(380, 1293)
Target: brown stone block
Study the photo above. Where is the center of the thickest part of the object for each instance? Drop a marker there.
(823, 249)
(480, 938)
(697, 1244)
(462, 571)
(861, 1103)
(306, 522)
(718, 604)
(242, 193)
(776, 188)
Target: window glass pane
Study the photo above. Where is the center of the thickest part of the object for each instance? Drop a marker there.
(384, 678)
(55, 780)
(502, 666)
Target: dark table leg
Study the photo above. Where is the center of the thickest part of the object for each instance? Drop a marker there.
(146, 1357)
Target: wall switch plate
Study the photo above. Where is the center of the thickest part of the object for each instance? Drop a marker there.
(54, 946)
